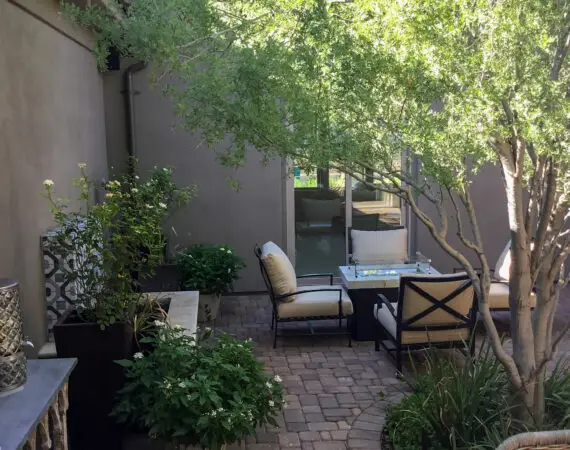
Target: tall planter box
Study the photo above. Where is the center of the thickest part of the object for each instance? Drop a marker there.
(94, 383)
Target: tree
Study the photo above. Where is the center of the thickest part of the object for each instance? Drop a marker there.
(454, 84)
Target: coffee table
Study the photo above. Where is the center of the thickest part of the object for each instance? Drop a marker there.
(365, 282)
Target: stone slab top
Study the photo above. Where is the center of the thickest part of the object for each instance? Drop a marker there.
(21, 410)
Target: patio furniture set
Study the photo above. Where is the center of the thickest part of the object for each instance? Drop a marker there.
(400, 303)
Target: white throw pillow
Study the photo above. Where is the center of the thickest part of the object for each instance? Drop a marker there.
(380, 246)
(315, 210)
(503, 266)
(280, 270)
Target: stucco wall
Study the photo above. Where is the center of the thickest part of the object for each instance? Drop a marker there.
(51, 118)
(490, 203)
(218, 214)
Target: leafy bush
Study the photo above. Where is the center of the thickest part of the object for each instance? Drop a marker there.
(208, 268)
(196, 391)
(453, 405)
(557, 397)
(114, 244)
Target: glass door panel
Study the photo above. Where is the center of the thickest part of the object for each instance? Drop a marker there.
(319, 220)
(373, 209)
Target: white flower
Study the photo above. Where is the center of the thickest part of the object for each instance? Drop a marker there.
(222, 249)
(82, 165)
(109, 195)
(178, 327)
(135, 190)
(149, 206)
(167, 384)
(136, 177)
(182, 385)
(213, 413)
(48, 183)
(138, 355)
(277, 379)
(192, 344)
(229, 252)
(229, 270)
(166, 170)
(207, 329)
(162, 205)
(269, 385)
(220, 409)
(158, 323)
(271, 403)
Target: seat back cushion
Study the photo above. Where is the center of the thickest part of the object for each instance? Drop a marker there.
(379, 246)
(439, 287)
(280, 271)
(316, 210)
(503, 266)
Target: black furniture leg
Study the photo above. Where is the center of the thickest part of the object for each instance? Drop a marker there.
(275, 335)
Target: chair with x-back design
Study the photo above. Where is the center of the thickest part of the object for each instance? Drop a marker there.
(432, 311)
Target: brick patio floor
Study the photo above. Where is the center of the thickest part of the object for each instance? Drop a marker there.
(336, 396)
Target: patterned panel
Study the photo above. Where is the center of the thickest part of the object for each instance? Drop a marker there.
(61, 290)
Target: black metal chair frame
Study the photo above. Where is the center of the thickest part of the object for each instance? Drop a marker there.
(464, 322)
(275, 299)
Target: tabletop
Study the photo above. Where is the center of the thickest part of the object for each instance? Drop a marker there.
(21, 411)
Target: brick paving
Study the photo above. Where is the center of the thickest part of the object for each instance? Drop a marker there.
(332, 391)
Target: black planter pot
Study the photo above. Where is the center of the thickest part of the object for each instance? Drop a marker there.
(94, 383)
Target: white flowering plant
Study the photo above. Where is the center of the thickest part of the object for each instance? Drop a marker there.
(116, 243)
(198, 390)
(208, 268)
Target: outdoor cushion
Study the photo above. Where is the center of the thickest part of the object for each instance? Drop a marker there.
(499, 296)
(414, 303)
(315, 210)
(380, 246)
(384, 316)
(503, 266)
(279, 270)
(314, 304)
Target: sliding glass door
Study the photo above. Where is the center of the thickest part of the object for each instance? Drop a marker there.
(326, 204)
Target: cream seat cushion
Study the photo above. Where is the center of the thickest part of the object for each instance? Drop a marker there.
(279, 270)
(499, 296)
(417, 337)
(314, 304)
(379, 246)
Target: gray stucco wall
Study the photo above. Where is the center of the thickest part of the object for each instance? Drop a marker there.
(218, 214)
(51, 118)
(490, 203)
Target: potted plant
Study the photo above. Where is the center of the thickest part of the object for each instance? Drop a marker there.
(198, 390)
(210, 269)
(111, 246)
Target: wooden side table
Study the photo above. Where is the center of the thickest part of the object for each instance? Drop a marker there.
(36, 415)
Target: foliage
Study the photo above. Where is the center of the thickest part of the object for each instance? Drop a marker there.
(148, 311)
(198, 391)
(469, 404)
(209, 268)
(453, 404)
(557, 392)
(116, 243)
(451, 85)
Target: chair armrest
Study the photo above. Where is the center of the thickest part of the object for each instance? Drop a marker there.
(383, 301)
(317, 275)
(306, 291)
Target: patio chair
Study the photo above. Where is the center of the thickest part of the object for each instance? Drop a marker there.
(432, 311)
(308, 303)
(373, 247)
(499, 289)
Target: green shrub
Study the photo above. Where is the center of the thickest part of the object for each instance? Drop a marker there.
(557, 397)
(210, 269)
(198, 391)
(453, 405)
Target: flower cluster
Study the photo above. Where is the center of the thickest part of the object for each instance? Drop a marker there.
(205, 391)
